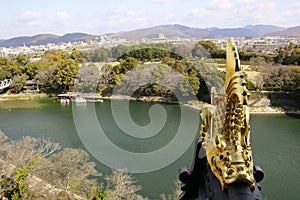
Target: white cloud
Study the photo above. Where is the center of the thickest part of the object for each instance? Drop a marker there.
(199, 11)
(220, 4)
(63, 15)
(34, 23)
(121, 16)
(297, 7)
(26, 17)
(23, 23)
(161, 1)
(228, 14)
(118, 17)
(30, 15)
(292, 16)
(112, 19)
(257, 12)
(246, 1)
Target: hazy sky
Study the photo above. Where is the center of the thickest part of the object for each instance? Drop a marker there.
(30, 17)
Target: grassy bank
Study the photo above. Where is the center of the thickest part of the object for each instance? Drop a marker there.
(23, 101)
(23, 96)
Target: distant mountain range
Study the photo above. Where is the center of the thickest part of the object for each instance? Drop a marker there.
(43, 39)
(176, 30)
(169, 31)
(293, 31)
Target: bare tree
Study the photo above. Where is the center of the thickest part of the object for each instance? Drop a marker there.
(23, 151)
(17, 159)
(3, 138)
(87, 78)
(120, 185)
(69, 170)
(89, 74)
(18, 83)
(184, 50)
(175, 194)
(258, 63)
(46, 76)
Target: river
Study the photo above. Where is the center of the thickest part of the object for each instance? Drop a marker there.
(275, 139)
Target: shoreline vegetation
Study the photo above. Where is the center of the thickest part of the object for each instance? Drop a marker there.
(162, 69)
(197, 105)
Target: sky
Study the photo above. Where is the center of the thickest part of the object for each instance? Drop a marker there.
(31, 17)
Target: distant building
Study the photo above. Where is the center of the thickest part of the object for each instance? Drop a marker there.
(32, 86)
(162, 39)
(3, 52)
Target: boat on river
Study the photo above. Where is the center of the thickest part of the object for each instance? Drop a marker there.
(94, 100)
(80, 100)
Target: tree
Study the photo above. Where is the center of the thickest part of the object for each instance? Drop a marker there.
(193, 85)
(4, 74)
(294, 58)
(21, 60)
(97, 194)
(65, 70)
(149, 54)
(183, 50)
(285, 78)
(77, 56)
(205, 49)
(88, 73)
(17, 161)
(65, 74)
(3, 61)
(30, 69)
(70, 170)
(258, 63)
(128, 64)
(13, 186)
(119, 50)
(120, 185)
(199, 51)
(247, 55)
(209, 77)
(106, 74)
(18, 83)
(46, 76)
(100, 55)
(175, 193)
(280, 57)
(24, 150)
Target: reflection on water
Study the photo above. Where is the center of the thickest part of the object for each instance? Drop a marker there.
(275, 141)
(23, 104)
(276, 146)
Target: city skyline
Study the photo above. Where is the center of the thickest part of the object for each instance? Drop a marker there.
(99, 17)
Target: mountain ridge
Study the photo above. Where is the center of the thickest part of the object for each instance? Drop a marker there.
(43, 39)
(289, 32)
(169, 31)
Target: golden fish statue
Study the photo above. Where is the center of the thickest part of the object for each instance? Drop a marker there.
(223, 164)
(227, 141)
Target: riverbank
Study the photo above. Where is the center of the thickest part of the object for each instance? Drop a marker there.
(253, 109)
(4, 97)
(24, 101)
(144, 98)
(273, 110)
(198, 105)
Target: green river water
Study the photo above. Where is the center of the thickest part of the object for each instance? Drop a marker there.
(275, 139)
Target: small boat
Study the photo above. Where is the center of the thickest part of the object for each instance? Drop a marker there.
(64, 101)
(80, 100)
(94, 100)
